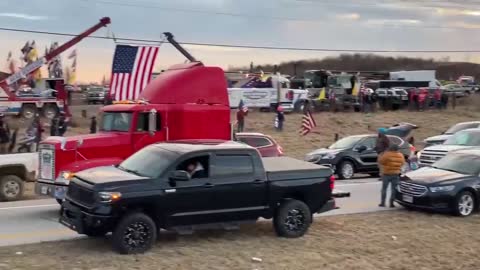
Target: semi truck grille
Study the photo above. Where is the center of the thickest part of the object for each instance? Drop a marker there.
(46, 162)
(429, 157)
(80, 194)
(412, 189)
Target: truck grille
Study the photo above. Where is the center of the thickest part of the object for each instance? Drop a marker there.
(429, 157)
(80, 194)
(412, 189)
(46, 162)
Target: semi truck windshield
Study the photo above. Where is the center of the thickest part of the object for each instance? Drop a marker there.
(116, 121)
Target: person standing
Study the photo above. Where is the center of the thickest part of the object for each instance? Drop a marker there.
(4, 137)
(381, 146)
(242, 112)
(454, 100)
(392, 162)
(279, 119)
(438, 98)
(93, 125)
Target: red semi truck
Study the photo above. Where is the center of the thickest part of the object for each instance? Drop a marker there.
(188, 101)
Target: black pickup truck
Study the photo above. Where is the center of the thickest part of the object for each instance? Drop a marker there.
(181, 186)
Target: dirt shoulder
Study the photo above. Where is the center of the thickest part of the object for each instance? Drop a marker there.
(389, 240)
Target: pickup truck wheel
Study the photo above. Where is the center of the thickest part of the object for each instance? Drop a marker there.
(11, 188)
(346, 170)
(293, 218)
(135, 233)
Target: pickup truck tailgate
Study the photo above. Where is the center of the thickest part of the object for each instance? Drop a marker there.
(286, 168)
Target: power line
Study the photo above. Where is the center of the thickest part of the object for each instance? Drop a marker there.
(241, 46)
(243, 15)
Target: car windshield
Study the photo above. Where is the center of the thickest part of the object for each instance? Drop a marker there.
(149, 162)
(460, 163)
(458, 127)
(116, 121)
(467, 138)
(347, 142)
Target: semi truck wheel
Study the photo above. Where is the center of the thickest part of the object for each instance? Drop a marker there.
(135, 233)
(293, 218)
(28, 111)
(11, 188)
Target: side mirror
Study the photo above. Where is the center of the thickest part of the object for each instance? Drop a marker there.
(361, 148)
(152, 121)
(179, 176)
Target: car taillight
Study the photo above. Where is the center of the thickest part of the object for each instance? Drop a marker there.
(332, 181)
(280, 150)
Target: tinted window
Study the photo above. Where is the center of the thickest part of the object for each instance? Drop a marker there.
(369, 142)
(461, 163)
(233, 165)
(347, 142)
(255, 141)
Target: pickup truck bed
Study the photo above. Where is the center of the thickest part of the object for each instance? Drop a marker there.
(286, 168)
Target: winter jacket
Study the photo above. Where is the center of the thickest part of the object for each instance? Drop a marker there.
(391, 162)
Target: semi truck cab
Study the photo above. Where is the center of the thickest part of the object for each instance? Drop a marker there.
(188, 101)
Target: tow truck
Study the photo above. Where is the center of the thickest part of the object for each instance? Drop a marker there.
(187, 101)
(13, 102)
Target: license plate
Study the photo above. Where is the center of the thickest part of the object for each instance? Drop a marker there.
(407, 198)
(44, 190)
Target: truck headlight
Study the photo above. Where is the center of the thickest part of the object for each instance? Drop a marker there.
(442, 188)
(65, 176)
(108, 197)
(329, 156)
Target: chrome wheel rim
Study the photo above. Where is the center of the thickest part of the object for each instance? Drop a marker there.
(11, 189)
(295, 220)
(347, 171)
(136, 236)
(465, 205)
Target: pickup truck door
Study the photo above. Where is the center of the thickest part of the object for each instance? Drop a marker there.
(240, 191)
(189, 202)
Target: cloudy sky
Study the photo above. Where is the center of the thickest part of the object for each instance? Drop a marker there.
(331, 24)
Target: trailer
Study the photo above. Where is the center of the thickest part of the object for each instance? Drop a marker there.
(49, 97)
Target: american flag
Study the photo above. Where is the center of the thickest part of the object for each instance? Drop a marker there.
(308, 123)
(131, 72)
(242, 106)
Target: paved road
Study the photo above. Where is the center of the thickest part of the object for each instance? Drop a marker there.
(36, 220)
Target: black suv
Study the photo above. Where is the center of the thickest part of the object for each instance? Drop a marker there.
(354, 154)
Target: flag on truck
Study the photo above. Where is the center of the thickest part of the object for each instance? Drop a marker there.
(308, 123)
(131, 71)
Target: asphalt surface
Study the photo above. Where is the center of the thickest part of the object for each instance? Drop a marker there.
(36, 221)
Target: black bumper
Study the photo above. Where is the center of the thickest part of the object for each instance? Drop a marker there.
(328, 206)
(441, 202)
(75, 218)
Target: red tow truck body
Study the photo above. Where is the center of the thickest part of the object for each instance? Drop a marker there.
(187, 101)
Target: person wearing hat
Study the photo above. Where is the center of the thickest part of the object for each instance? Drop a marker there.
(392, 162)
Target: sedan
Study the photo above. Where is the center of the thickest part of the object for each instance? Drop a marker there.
(265, 144)
(452, 184)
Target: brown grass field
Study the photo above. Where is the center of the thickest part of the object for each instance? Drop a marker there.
(393, 240)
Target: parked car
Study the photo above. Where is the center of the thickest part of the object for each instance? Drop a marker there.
(265, 144)
(156, 188)
(461, 140)
(457, 89)
(96, 95)
(395, 97)
(439, 139)
(354, 154)
(15, 171)
(450, 184)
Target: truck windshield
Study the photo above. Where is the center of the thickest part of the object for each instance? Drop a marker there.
(150, 161)
(116, 121)
(345, 143)
(465, 138)
(460, 163)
